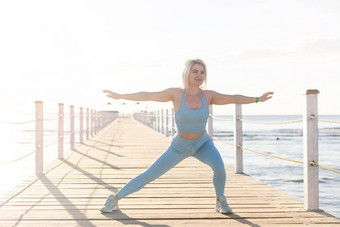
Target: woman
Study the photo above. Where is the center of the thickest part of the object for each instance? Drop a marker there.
(191, 114)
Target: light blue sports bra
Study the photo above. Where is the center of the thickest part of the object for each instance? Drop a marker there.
(192, 120)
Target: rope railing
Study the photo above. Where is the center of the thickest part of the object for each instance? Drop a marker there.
(26, 122)
(17, 123)
(155, 116)
(252, 122)
(328, 121)
(258, 122)
(161, 121)
(51, 119)
(95, 121)
(278, 157)
(222, 141)
(50, 144)
(283, 122)
(325, 168)
(270, 123)
(221, 118)
(269, 155)
(18, 159)
(310, 148)
(258, 152)
(25, 156)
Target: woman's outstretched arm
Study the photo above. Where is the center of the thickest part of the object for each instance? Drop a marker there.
(159, 96)
(221, 99)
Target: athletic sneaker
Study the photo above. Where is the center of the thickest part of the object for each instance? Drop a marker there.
(222, 206)
(110, 205)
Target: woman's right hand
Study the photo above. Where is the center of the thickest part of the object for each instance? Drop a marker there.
(111, 94)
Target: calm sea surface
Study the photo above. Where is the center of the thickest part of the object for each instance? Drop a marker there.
(285, 140)
(18, 140)
(282, 140)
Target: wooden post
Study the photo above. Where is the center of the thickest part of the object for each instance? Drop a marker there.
(167, 123)
(149, 118)
(145, 119)
(158, 120)
(238, 139)
(154, 119)
(61, 131)
(95, 121)
(310, 151)
(39, 138)
(210, 122)
(173, 122)
(101, 120)
(91, 127)
(162, 121)
(81, 126)
(87, 124)
(72, 127)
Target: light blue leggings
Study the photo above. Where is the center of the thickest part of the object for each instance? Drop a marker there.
(202, 148)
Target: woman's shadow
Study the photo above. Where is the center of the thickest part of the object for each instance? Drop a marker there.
(126, 220)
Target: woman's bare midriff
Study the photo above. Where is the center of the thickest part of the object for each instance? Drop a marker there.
(191, 136)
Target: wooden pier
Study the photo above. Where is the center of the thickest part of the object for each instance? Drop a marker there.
(72, 190)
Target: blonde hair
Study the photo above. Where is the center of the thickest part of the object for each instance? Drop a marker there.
(187, 67)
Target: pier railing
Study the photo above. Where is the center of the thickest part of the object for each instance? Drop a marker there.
(94, 122)
(155, 120)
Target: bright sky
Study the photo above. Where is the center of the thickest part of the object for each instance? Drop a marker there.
(69, 51)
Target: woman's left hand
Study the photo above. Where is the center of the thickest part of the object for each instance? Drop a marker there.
(266, 96)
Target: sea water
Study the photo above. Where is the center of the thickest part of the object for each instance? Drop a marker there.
(284, 140)
(17, 136)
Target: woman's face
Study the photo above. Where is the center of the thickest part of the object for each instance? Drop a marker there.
(196, 75)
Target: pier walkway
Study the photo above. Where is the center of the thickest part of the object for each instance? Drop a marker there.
(71, 191)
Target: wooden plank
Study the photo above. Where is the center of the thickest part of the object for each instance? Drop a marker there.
(150, 214)
(71, 192)
(162, 223)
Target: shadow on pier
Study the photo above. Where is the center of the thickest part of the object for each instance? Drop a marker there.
(72, 190)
